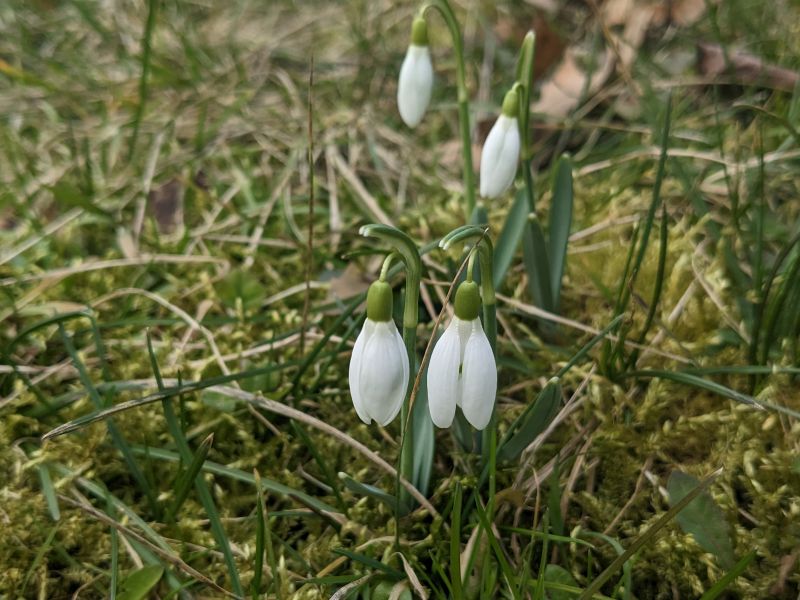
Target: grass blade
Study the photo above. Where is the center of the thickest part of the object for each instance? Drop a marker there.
(263, 542)
(729, 577)
(716, 388)
(186, 480)
(147, 50)
(113, 430)
(200, 485)
(508, 573)
(370, 562)
(364, 489)
(49, 491)
(648, 535)
(455, 544)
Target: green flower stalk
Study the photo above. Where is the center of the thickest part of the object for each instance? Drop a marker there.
(407, 251)
(485, 252)
(417, 74)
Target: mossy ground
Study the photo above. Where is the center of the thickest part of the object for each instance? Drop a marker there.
(224, 134)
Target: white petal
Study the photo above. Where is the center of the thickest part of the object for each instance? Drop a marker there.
(415, 85)
(479, 378)
(443, 381)
(383, 373)
(499, 157)
(355, 370)
(395, 403)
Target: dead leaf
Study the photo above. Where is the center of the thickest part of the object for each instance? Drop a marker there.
(348, 283)
(687, 12)
(166, 206)
(745, 68)
(561, 93)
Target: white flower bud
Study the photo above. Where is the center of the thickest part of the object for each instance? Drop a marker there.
(500, 153)
(415, 85)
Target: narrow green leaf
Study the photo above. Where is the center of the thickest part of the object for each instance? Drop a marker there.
(508, 572)
(543, 412)
(509, 238)
(187, 478)
(702, 518)
(729, 577)
(49, 491)
(560, 224)
(537, 264)
(239, 475)
(138, 584)
(370, 562)
(364, 489)
(424, 440)
(116, 436)
(203, 492)
(147, 48)
(327, 471)
(711, 386)
(659, 283)
(455, 544)
(627, 575)
(263, 541)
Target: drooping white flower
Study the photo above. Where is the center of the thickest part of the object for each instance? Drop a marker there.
(415, 83)
(379, 364)
(500, 153)
(462, 370)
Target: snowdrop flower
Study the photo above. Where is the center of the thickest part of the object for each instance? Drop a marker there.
(416, 76)
(379, 364)
(501, 150)
(462, 370)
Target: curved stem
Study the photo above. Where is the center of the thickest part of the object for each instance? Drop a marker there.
(387, 262)
(470, 266)
(443, 6)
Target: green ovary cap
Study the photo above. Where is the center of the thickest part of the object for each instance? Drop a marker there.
(511, 103)
(379, 302)
(468, 301)
(419, 32)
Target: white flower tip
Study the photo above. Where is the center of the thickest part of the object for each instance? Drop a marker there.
(499, 157)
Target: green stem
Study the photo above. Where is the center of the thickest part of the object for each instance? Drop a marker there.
(406, 423)
(485, 252)
(443, 6)
(408, 252)
(534, 245)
